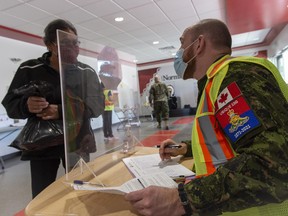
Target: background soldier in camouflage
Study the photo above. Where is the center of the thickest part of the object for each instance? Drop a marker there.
(158, 99)
(258, 174)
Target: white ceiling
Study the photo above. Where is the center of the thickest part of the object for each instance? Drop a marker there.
(145, 21)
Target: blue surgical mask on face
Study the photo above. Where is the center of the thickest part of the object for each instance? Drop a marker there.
(179, 65)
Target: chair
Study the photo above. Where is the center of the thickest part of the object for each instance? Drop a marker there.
(2, 164)
(122, 116)
(127, 116)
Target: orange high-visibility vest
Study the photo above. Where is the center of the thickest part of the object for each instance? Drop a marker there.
(210, 146)
(109, 105)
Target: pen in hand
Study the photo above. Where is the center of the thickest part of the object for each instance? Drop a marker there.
(141, 183)
(79, 182)
(170, 146)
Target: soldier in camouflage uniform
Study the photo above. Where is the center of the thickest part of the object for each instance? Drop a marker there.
(158, 98)
(257, 174)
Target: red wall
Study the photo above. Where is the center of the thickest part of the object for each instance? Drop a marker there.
(144, 77)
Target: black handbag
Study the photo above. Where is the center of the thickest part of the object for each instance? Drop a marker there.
(38, 134)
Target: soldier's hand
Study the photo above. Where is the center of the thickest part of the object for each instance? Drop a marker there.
(167, 153)
(155, 200)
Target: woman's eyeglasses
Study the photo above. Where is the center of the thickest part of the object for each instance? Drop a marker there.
(67, 42)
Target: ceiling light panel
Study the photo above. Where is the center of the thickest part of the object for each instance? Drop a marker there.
(208, 6)
(217, 14)
(8, 4)
(83, 2)
(248, 38)
(49, 6)
(95, 24)
(129, 23)
(27, 13)
(175, 10)
(11, 20)
(148, 14)
(77, 16)
(119, 19)
(128, 4)
(102, 8)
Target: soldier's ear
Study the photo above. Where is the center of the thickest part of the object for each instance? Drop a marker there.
(201, 44)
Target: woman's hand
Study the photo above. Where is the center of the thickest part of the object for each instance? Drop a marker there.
(36, 104)
(166, 153)
(51, 112)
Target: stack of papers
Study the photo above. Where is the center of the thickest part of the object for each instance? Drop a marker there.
(148, 170)
(148, 164)
(159, 179)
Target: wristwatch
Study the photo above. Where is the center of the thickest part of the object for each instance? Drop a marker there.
(184, 200)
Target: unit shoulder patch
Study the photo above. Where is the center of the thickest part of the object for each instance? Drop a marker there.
(234, 113)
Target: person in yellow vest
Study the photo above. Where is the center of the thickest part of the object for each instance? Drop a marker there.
(239, 135)
(107, 115)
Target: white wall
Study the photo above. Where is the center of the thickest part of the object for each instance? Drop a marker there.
(128, 89)
(186, 90)
(18, 50)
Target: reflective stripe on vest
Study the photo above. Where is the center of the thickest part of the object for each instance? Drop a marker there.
(202, 159)
(210, 144)
(269, 66)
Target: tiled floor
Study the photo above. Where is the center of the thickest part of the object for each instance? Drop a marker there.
(15, 191)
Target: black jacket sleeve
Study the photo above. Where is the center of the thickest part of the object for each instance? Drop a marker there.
(16, 105)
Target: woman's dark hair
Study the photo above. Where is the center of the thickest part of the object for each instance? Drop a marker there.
(50, 30)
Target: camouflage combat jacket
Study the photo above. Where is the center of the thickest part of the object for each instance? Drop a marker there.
(258, 175)
(158, 92)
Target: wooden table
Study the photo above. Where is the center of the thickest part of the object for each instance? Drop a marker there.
(61, 199)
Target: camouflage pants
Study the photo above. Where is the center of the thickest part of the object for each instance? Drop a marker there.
(161, 110)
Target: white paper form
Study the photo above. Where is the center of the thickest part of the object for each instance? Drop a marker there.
(150, 164)
(159, 179)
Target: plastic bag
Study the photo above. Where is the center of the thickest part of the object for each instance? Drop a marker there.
(38, 134)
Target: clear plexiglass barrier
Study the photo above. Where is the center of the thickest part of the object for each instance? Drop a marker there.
(85, 76)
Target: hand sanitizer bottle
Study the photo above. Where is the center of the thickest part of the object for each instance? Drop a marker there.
(128, 142)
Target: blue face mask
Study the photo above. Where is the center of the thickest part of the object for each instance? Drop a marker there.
(179, 65)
